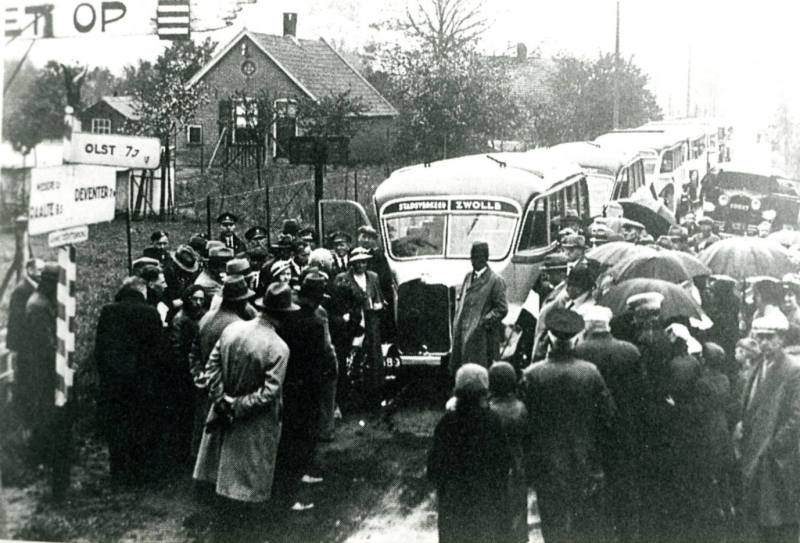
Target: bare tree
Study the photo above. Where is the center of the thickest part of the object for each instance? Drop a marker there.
(446, 26)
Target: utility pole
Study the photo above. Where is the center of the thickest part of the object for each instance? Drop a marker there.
(616, 76)
(689, 85)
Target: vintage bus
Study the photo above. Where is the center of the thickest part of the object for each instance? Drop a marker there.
(663, 152)
(429, 216)
(702, 148)
(611, 174)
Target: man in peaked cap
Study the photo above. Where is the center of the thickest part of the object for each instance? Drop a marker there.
(770, 430)
(340, 247)
(705, 236)
(160, 247)
(570, 411)
(227, 232)
(574, 247)
(256, 235)
(480, 308)
(631, 230)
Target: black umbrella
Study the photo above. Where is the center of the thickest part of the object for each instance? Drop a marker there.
(654, 215)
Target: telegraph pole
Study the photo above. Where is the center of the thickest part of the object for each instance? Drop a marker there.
(689, 85)
(616, 76)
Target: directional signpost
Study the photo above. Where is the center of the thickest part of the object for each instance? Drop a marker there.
(113, 150)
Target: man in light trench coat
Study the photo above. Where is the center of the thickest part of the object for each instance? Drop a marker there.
(246, 372)
(480, 308)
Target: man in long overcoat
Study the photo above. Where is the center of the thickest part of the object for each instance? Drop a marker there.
(480, 307)
(770, 436)
(16, 306)
(620, 365)
(571, 413)
(234, 307)
(311, 358)
(128, 355)
(246, 371)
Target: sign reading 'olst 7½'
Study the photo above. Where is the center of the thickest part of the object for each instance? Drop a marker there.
(113, 150)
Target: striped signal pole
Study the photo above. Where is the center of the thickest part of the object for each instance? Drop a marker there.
(65, 325)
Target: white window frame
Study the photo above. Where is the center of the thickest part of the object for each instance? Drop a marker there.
(101, 125)
(189, 131)
(250, 119)
(276, 106)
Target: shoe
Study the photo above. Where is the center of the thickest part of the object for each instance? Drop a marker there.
(337, 414)
(309, 480)
(302, 506)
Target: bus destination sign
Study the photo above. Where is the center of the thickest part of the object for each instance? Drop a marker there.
(480, 205)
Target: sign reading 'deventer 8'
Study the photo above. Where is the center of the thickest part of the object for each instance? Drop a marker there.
(66, 196)
(113, 150)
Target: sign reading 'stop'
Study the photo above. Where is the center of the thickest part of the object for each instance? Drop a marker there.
(113, 150)
(480, 205)
(66, 196)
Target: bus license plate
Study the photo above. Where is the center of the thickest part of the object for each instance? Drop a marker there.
(738, 226)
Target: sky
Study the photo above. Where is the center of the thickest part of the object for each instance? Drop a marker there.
(740, 53)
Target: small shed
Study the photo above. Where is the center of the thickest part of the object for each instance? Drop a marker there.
(111, 115)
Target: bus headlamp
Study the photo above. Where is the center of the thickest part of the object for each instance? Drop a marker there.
(724, 199)
(755, 204)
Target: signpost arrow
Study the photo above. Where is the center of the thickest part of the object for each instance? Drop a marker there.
(68, 236)
(113, 150)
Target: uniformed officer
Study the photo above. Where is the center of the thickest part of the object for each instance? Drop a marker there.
(571, 411)
(227, 226)
(256, 235)
(340, 243)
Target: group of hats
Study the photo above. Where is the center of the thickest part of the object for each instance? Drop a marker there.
(278, 296)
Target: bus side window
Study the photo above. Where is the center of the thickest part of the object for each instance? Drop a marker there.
(534, 231)
(624, 184)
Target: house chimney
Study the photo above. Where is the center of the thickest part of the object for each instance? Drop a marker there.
(522, 52)
(290, 24)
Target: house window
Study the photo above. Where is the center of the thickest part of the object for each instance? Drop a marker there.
(101, 126)
(245, 121)
(194, 134)
(285, 127)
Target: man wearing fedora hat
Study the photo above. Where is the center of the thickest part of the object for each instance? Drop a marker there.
(227, 232)
(234, 307)
(312, 361)
(128, 355)
(211, 277)
(246, 371)
(571, 412)
(237, 267)
(180, 272)
(480, 308)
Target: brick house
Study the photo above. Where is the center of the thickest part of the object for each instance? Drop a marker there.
(283, 68)
(110, 115)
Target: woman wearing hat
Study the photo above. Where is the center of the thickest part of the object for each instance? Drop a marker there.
(360, 289)
(469, 463)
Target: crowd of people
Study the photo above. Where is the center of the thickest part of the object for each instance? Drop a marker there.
(638, 425)
(229, 358)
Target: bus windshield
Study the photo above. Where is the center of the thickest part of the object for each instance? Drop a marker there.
(496, 230)
(421, 235)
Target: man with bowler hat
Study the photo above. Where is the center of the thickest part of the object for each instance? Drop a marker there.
(571, 412)
(480, 308)
(227, 232)
(246, 371)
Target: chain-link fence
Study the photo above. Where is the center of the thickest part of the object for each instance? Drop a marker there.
(268, 196)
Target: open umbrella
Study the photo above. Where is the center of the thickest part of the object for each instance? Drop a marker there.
(747, 257)
(787, 238)
(661, 265)
(690, 262)
(677, 302)
(653, 214)
(612, 253)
